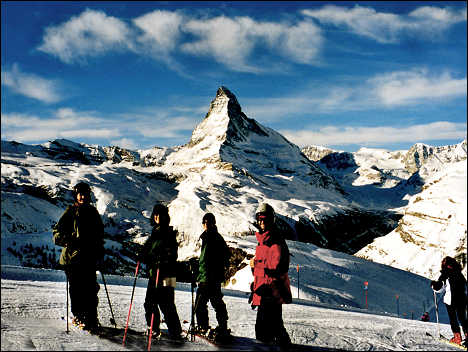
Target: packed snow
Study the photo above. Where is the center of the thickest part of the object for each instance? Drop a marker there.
(34, 302)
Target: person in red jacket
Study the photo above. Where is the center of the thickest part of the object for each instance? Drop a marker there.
(271, 286)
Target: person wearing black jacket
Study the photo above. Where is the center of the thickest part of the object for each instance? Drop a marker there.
(213, 263)
(80, 232)
(159, 253)
(452, 280)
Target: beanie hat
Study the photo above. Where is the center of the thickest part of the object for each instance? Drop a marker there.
(265, 209)
(82, 188)
(209, 218)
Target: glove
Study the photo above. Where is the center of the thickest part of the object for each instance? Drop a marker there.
(436, 285)
(264, 291)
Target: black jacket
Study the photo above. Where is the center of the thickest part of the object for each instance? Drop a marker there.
(160, 252)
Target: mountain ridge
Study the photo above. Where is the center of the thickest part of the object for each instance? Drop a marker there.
(343, 201)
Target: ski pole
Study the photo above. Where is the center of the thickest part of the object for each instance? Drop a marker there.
(192, 321)
(437, 314)
(152, 315)
(67, 305)
(112, 320)
(131, 301)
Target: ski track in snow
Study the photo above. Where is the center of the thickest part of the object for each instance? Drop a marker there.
(32, 312)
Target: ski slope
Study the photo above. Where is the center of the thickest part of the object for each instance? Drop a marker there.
(34, 300)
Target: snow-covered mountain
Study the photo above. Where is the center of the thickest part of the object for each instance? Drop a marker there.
(426, 184)
(340, 201)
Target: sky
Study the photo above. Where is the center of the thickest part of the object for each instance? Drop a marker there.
(344, 75)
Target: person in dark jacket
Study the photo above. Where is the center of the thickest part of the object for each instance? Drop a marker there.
(213, 263)
(271, 286)
(80, 232)
(455, 298)
(159, 253)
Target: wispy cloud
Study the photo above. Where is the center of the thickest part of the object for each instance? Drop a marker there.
(391, 90)
(70, 124)
(31, 85)
(162, 34)
(408, 87)
(388, 27)
(332, 135)
(233, 41)
(92, 33)
(65, 123)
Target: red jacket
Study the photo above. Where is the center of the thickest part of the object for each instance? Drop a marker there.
(271, 280)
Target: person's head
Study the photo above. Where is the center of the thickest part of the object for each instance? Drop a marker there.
(209, 221)
(160, 215)
(82, 193)
(449, 263)
(265, 217)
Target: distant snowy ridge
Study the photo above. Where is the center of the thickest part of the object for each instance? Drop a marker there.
(433, 182)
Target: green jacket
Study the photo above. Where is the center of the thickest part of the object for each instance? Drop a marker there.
(160, 252)
(214, 258)
(81, 232)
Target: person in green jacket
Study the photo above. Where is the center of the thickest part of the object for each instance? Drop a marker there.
(159, 253)
(80, 232)
(213, 263)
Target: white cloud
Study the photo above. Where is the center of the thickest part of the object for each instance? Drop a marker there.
(331, 135)
(232, 41)
(126, 143)
(161, 30)
(65, 124)
(407, 87)
(31, 85)
(388, 27)
(91, 34)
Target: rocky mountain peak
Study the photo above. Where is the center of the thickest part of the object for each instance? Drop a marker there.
(225, 121)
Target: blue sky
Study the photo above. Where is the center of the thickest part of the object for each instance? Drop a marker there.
(141, 74)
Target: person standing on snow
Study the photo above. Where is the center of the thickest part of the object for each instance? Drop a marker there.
(213, 263)
(455, 298)
(159, 253)
(271, 287)
(81, 232)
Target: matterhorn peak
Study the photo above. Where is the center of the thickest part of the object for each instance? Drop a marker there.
(225, 121)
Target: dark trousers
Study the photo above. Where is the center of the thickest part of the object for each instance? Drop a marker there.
(162, 297)
(269, 325)
(83, 289)
(457, 316)
(210, 292)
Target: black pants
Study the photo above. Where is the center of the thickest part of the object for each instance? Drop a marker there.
(269, 325)
(162, 297)
(83, 289)
(457, 314)
(210, 292)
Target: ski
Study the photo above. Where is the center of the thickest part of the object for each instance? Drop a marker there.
(447, 341)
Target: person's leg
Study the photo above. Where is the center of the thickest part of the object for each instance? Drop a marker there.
(263, 330)
(282, 335)
(169, 310)
(201, 308)
(151, 305)
(453, 318)
(216, 299)
(75, 290)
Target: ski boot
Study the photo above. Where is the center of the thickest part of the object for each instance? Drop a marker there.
(456, 338)
(220, 335)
